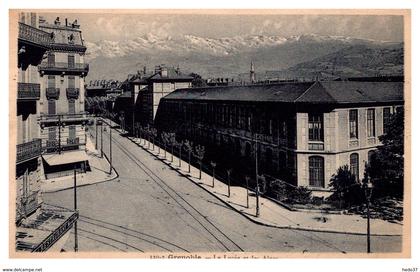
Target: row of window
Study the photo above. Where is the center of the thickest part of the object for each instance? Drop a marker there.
(52, 133)
(51, 60)
(232, 116)
(370, 122)
(52, 106)
(316, 124)
(70, 79)
(316, 168)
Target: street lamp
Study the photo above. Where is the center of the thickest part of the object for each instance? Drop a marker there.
(368, 187)
(76, 243)
(102, 142)
(247, 193)
(257, 191)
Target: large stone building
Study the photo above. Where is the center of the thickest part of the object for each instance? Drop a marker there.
(39, 226)
(143, 92)
(304, 130)
(61, 104)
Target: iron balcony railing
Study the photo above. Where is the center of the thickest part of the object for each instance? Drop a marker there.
(28, 150)
(73, 68)
(72, 93)
(73, 141)
(52, 93)
(34, 35)
(27, 205)
(28, 91)
(63, 118)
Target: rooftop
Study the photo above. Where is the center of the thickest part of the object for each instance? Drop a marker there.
(324, 92)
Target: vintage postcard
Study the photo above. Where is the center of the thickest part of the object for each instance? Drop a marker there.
(197, 134)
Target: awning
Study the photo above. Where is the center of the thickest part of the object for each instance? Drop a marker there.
(66, 157)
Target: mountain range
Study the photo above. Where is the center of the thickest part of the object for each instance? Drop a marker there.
(273, 56)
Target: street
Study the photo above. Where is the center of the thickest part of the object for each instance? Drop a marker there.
(152, 208)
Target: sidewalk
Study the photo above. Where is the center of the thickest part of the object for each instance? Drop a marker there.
(99, 172)
(271, 213)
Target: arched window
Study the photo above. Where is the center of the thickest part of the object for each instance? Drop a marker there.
(354, 164)
(316, 171)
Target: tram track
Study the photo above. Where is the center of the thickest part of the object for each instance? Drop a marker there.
(226, 242)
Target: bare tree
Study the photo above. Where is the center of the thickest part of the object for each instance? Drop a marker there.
(213, 165)
(188, 146)
(172, 142)
(199, 154)
(153, 133)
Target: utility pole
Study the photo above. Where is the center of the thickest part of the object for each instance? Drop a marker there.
(102, 142)
(257, 193)
(59, 134)
(110, 150)
(76, 246)
(247, 193)
(96, 134)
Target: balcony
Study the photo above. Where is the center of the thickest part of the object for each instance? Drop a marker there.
(28, 91)
(29, 150)
(63, 68)
(52, 93)
(27, 205)
(72, 93)
(34, 36)
(63, 119)
(73, 141)
(51, 145)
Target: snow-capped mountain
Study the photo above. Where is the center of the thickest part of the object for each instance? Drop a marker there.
(226, 57)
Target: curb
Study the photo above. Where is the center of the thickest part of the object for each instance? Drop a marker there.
(253, 220)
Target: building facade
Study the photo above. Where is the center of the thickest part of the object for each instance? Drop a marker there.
(33, 43)
(39, 227)
(300, 132)
(148, 90)
(62, 115)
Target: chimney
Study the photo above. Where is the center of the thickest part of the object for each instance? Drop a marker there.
(163, 71)
(66, 21)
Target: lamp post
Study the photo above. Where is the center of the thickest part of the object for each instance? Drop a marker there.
(96, 134)
(257, 191)
(110, 150)
(102, 142)
(229, 171)
(368, 187)
(247, 193)
(76, 245)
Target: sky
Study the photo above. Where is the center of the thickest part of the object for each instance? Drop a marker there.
(120, 27)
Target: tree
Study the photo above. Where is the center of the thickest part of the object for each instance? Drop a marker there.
(188, 146)
(386, 166)
(199, 154)
(347, 190)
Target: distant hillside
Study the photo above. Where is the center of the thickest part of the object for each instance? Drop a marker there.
(222, 57)
(352, 61)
